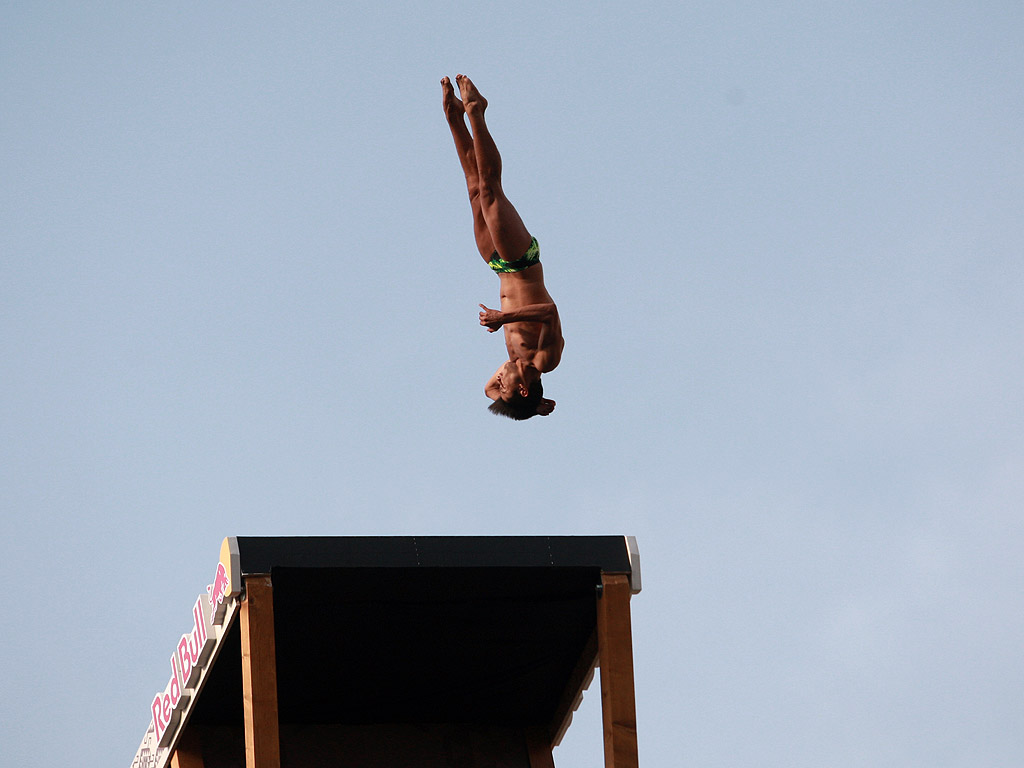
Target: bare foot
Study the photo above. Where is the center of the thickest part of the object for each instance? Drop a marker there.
(453, 108)
(471, 97)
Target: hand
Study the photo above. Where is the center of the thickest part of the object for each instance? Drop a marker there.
(492, 319)
(545, 407)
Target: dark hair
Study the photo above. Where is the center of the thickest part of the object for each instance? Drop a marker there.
(518, 407)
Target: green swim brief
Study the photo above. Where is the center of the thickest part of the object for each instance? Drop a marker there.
(532, 257)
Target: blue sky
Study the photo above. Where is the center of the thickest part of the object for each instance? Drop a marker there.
(238, 296)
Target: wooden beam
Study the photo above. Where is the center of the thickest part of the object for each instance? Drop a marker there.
(539, 748)
(189, 751)
(259, 675)
(615, 652)
(574, 689)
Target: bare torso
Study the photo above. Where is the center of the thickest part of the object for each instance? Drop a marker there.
(537, 343)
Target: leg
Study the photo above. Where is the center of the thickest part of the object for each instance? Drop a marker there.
(510, 236)
(454, 112)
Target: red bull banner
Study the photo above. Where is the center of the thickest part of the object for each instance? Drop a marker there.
(212, 614)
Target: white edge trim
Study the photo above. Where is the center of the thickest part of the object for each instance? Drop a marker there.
(634, 564)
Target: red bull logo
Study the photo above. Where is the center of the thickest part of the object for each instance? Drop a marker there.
(186, 665)
(218, 590)
(190, 658)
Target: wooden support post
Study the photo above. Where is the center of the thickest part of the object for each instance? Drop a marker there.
(189, 752)
(615, 651)
(259, 675)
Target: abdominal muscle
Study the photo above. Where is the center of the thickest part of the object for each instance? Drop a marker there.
(520, 289)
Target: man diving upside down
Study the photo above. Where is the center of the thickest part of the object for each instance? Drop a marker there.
(533, 332)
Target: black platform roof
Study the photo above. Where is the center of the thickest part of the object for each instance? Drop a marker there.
(261, 554)
(423, 629)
